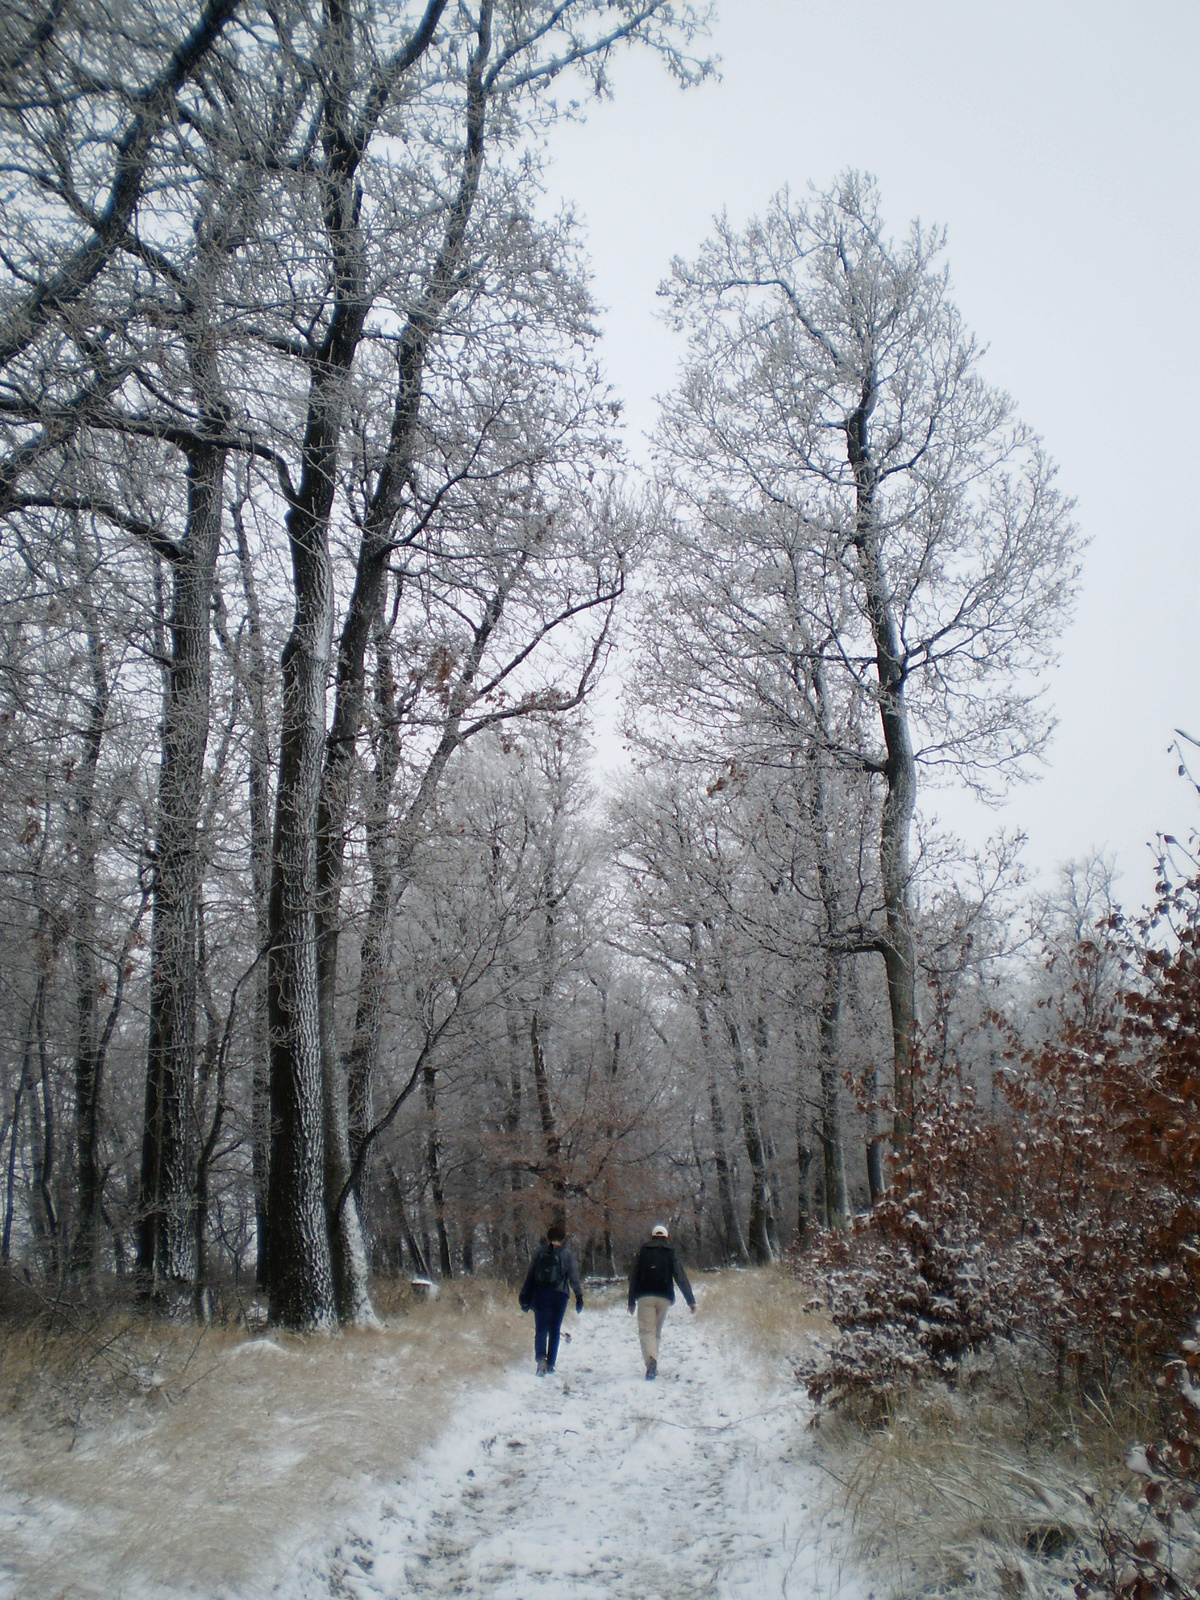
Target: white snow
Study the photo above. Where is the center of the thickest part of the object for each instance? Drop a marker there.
(593, 1484)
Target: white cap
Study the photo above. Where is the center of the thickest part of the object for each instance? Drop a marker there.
(659, 1231)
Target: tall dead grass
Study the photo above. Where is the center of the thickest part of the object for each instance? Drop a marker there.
(999, 1487)
(142, 1456)
(766, 1312)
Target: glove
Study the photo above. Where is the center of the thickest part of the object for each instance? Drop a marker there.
(631, 1308)
(579, 1305)
(526, 1308)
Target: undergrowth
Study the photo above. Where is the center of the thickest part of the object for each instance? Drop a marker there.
(1007, 1484)
(196, 1457)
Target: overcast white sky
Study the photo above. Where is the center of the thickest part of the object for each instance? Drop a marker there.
(1059, 142)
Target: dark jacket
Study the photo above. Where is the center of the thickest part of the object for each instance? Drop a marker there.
(568, 1273)
(656, 1271)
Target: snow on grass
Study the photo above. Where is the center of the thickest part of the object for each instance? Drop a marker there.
(204, 1484)
(593, 1484)
(419, 1461)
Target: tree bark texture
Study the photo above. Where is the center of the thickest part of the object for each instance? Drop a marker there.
(832, 1149)
(759, 1229)
(433, 1171)
(900, 772)
(733, 1243)
(259, 783)
(88, 1058)
(166, 1233)
(346, 1237)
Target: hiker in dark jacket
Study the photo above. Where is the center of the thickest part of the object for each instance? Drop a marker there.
(546, 1290)
(652, 1289)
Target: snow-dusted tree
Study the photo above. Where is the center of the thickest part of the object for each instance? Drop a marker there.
(520, 1043)
(832, 417)
(487, 67)
(225, 226)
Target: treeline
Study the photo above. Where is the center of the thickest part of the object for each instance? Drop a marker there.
(317, 536)
(282, 330)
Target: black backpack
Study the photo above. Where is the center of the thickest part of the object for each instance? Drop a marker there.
(655, 1272)
(547, 1268)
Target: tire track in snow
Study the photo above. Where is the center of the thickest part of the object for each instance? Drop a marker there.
(593, 1484)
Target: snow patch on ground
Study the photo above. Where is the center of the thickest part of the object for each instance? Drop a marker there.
(369, 1470)
(593, 1484)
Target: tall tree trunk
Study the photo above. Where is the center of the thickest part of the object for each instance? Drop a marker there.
(433, 1170)
(259, 780)
(376, 949)
(759, 1230)
(804, 1157)
(539, 1023)
(24, 1083)
(362, 618)
(309, 1116)
(824, 822)
(899, 769)
(541, 1084)
(166, 1230)
(733, 1243)
(298, 1257)
(876, 1184)
(44, 1166)
(829, 1025)
(512, 1116)
(764, 1121)
(88, 1064)
(699, 1195)
(614, 1067)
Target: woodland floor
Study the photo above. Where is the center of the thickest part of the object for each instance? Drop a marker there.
(427, 1460)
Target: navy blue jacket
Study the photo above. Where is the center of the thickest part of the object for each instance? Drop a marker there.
(568, 1275)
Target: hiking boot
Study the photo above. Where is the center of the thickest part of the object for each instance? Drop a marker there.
(651, 1370)
(549, 1368)
(541, 1367)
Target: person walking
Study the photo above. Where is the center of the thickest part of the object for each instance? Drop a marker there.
(652, 1289)
(547, 1288)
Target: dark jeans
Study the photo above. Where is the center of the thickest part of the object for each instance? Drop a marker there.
(549, 1308)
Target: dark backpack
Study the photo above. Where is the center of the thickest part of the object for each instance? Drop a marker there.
(656, 1270)
(547, 1268)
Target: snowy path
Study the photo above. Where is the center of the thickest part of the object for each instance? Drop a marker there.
(593, 1484)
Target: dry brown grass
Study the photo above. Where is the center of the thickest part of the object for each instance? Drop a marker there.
(767, 1311)
(995, 1488)
(197, 1460)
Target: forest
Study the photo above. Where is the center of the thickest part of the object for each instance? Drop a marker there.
(336, 949)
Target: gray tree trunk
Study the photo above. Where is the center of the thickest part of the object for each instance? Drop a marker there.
(362, 619)
(309, 1100)
(433, 1171)
(166, 1224)
(900, 772)
(761, 1204)
(259, 780)
(299, 1264)
(88, 1058)
(733, 1243)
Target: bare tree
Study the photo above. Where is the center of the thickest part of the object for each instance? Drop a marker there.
(833, 394)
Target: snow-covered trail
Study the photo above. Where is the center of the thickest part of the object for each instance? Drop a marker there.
(593, 1484)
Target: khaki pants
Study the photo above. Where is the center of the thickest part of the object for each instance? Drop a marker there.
(651, 1309)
